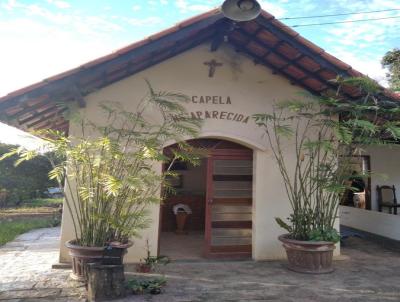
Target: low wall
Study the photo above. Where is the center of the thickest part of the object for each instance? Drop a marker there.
(382, 224)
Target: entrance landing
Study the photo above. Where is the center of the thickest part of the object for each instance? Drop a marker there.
(182, 247)
(369, 273)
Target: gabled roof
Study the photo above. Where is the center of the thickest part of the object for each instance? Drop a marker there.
(266, 40)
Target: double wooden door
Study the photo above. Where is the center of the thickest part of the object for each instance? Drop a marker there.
(228, 232)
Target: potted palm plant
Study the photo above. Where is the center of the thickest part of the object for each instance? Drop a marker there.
(323, 133)
(107, 172)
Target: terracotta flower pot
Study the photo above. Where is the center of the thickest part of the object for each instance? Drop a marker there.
(313, 257)
(181, 218)
(143, 268)
(82, 255)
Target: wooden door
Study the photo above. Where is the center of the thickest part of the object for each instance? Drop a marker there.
(229, 204)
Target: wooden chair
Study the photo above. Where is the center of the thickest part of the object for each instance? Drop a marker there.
(387, 198)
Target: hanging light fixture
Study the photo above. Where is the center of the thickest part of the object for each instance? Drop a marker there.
(241, 10)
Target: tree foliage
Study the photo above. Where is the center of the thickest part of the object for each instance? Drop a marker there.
(391, 61)
(25, 181)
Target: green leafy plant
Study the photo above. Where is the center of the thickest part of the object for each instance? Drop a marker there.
(313, 140)
(149, 263)
(152, 286)
(152, 261)
(108, 171)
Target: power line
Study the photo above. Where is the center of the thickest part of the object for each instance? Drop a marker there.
(343, 14)
(347, 21)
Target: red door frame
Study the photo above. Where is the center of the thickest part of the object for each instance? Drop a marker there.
(213, 154)
(233, 154)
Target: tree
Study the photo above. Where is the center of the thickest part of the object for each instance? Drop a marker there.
(391, 61)
(25, 181)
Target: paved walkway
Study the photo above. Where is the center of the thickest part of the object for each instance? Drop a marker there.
(25, 269)
(371, 273)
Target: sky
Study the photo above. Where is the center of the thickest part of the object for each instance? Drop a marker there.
(40, 38)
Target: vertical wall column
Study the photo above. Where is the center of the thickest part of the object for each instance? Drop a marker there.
(151, 234)
(268, 191)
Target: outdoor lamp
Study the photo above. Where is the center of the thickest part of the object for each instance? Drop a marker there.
(241, 10)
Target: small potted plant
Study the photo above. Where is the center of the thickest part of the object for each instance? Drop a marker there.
(149, 263)
(313, 140)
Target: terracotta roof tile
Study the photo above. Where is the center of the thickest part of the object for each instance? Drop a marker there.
(200, 17)
(128, 48)
(118, 74)
(295, 72)
(327, 74)
(335, 61)
(310, 45)
(13, 110)
(238, 37)
(267, 37)
(256, 48)
(351, 90)
(162, 34)
(314, 84)
(30, 103)
(250, 27)
(309, 64)
(355, 73)
(276, 60)
(285, 28)
(288, 51)
(266, 15)
(21, 91)
(45, 107)
(37, 100)
(116, 67)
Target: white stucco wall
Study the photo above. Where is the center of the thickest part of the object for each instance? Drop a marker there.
(385, 167)
(252, 89)
(383, 224)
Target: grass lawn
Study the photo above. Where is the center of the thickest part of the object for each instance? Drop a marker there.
(35, 214)
(43, 202)
(9, 229)
(39, 205)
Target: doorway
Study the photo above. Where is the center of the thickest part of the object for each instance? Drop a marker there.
(361, 165)
(218, 193)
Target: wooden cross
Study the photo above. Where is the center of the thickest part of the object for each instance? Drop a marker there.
(212, 65)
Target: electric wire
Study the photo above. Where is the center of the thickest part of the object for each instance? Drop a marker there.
(345, 21)
(342, 14)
